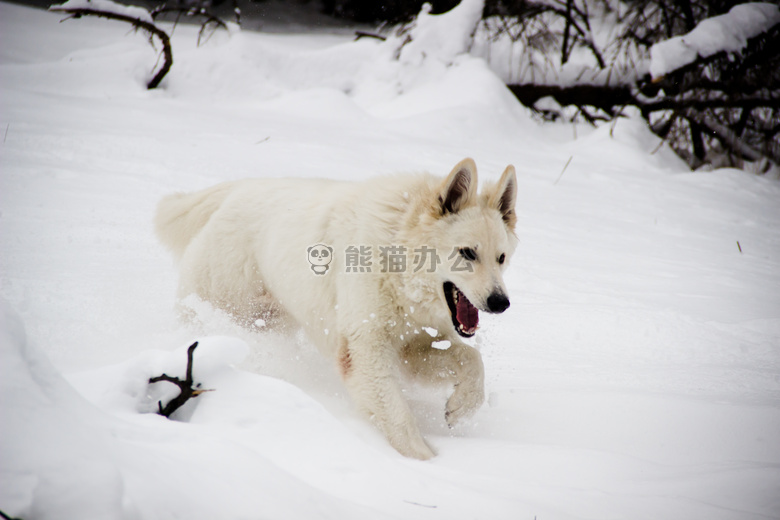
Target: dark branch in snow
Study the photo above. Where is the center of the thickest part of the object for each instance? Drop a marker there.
(6, 517)
(186, 388)
(603, 97)
(137, 23)
(364, 34)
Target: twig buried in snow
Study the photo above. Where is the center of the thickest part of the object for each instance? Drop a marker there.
(564, 169)
(660, 144)
(614, 122)
(186, 388)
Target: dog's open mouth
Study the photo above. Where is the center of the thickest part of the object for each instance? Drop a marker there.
(465, 317)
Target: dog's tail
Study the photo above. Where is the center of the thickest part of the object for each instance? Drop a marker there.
(181, 216)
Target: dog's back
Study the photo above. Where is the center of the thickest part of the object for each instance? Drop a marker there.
(181, 216)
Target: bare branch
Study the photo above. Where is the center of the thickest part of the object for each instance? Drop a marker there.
(725, 135)
(152, 29)
(209, 19)
(186, 388)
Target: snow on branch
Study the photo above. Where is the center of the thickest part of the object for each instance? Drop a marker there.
(136, 16)
(106, 6)
(728, 33)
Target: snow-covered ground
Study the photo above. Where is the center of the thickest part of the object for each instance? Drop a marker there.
(636, 375)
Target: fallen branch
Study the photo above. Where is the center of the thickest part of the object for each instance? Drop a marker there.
(186, 388)
(603, 97)
(609, 98)
(138, 23)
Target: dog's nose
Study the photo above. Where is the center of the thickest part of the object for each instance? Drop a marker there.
(497, 303)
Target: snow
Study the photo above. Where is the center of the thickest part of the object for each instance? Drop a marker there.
(441, 37)
(728, 32)
(121, 465)
(441, 345)
(636, 374)
(431, 331)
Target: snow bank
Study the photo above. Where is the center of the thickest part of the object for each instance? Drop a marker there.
(729, 33)
(427, 68)
(441, 37)
(63, 458)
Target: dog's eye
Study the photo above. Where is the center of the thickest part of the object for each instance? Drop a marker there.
(501, 258)
(468, 253)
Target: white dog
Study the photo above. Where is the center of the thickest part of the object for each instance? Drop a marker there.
(368, 269)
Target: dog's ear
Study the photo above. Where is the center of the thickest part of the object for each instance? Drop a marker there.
(459, 187)
(504, 196)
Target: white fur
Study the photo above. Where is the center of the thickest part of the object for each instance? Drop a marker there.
(243, 247)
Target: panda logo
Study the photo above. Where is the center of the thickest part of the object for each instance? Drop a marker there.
(320, 257)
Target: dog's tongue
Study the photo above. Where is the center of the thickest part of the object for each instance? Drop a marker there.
(467, 314)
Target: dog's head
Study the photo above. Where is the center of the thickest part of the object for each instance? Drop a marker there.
(475, 235)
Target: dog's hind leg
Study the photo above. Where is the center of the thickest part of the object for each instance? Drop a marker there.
(460, 365)
(369, 370)
(267, 314)
(226, 275)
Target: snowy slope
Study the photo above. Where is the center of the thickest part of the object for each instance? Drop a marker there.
(636, 375)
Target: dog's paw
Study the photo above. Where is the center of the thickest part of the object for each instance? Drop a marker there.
(463, 402)
(414, 447)
(420, 451)
(405, 437)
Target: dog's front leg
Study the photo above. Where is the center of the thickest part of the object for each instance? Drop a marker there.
(369, 368)
(460, 365)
